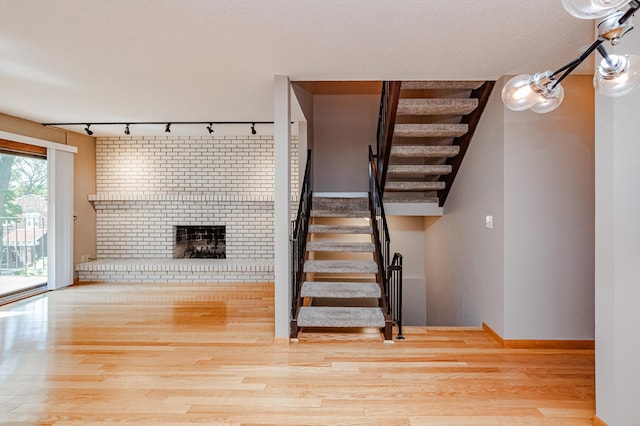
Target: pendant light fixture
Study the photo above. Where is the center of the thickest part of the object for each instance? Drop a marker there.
(616, 75)
(592, 9)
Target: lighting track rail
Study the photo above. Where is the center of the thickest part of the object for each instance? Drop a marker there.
(209, 124)
(616, 75)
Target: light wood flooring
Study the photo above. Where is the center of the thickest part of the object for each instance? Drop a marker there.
(182, 354)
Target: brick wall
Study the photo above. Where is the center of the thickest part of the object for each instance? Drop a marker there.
(146, 185)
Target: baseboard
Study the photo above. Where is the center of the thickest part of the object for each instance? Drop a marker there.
(495, 336)
(597, 421)
(538, 344)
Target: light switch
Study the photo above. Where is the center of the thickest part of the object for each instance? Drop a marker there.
(488, 222)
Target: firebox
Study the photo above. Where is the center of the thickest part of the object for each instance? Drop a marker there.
(200, 242)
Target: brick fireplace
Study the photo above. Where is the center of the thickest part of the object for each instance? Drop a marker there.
(146, 186)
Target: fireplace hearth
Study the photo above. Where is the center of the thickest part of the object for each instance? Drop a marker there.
(200, 242)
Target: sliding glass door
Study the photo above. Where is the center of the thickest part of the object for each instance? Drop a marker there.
(23, 215)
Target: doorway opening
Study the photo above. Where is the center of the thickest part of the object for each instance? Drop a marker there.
(23, 220)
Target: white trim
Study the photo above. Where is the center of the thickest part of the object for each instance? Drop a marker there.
(38, 142)
(341, 194)
(412, 209)
(282, 204)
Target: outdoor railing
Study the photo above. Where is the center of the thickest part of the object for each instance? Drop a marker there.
(23, 246)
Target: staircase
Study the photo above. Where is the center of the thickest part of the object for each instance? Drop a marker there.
(429, 125)
(341, 286)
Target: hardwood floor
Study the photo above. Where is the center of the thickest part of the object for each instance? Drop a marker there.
(181, 354)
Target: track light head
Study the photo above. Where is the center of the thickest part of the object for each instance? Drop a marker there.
(126, 130)
(88, 130)
(253, 128)
(167, 128)
(210, 128)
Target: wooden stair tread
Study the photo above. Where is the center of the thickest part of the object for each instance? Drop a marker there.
(336, 245)
(433, 169)
(340, 229)
(430, 130)
(326, 316)
(343, 290)
(437, 106)
(341, 266)
(441, 84)
(414, 186)
(425, 151)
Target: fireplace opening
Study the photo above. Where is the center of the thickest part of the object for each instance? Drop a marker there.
(200, 242)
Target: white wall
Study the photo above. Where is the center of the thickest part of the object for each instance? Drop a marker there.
(464, 260)
(531, 276)
(549, 219)
(618, 254)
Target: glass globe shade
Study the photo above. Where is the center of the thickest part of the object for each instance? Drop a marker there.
(549, 101)
(619, 78)
(592, 9)
(518, 93)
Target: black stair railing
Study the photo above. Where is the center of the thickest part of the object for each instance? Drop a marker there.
(394, 278)
(386, 124)
(390, 275)
(298, 241)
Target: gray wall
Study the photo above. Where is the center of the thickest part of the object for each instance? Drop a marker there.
(531, 276)
(344, 126)
(549, 219)
(464, 264)
(407, 238)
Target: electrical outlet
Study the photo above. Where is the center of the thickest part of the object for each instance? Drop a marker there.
(488, 222)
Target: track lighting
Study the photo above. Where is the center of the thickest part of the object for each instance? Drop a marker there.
(617, 75)
(167, 124)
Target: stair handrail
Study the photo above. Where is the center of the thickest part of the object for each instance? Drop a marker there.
(386, 122)
(298, 240)
(391, 300)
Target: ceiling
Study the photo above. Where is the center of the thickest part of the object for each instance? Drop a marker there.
(214, 60)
